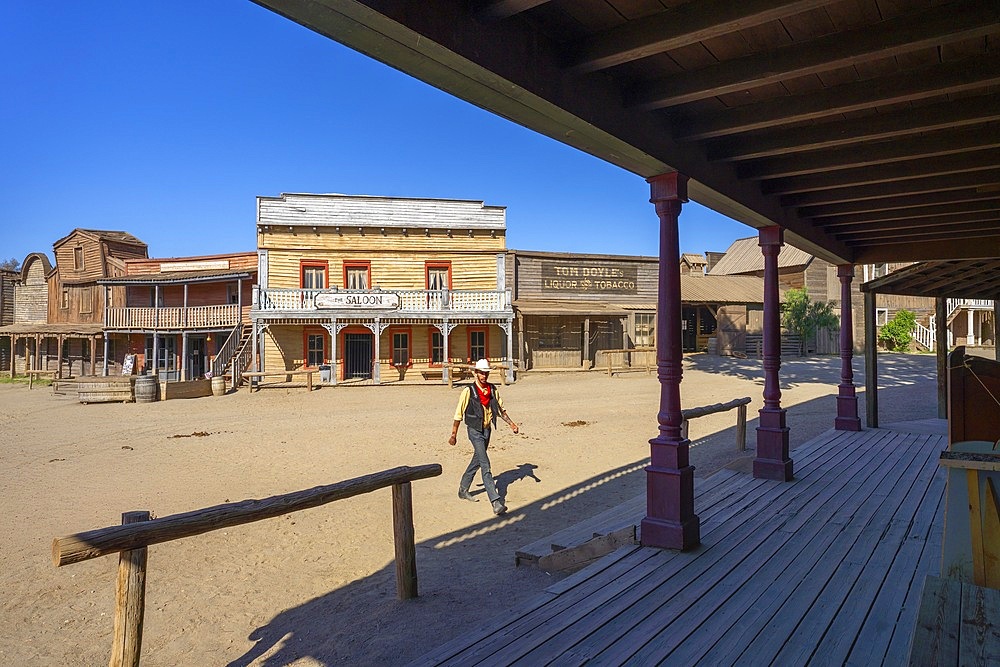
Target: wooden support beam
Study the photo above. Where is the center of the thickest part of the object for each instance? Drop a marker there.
(871, 362)
(130, 600)
(403, 540)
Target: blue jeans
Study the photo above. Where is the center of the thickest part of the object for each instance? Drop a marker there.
(480, 461)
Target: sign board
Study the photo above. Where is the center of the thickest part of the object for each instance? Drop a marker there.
(128, 364)
(598, 278)
(196, 265)
(357, 300)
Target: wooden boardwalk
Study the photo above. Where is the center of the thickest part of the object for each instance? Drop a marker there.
(825, 570)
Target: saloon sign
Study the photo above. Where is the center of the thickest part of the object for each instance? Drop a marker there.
(359, 301)
(588, 279)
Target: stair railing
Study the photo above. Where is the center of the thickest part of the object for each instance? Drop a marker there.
(227, 351)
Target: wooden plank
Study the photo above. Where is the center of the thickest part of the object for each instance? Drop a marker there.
(936, 636)
(772, 561)
(979, 637)
(587, 552)
(991, 534)
(674, 586)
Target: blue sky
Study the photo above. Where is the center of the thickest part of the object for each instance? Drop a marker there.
(167, 118)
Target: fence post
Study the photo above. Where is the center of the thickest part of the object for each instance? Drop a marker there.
(130, 601)
(741, 428)
(406, 551)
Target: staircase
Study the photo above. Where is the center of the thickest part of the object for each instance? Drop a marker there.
(924, 336)
(235, 355)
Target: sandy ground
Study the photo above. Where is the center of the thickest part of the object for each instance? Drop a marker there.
(318, 587)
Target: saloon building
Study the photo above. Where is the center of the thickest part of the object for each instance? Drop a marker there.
(377, 289)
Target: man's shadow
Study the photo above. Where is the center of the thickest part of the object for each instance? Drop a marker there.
(508, 477)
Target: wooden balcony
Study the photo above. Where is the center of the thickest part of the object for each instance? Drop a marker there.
(164, 319)
(395, 303)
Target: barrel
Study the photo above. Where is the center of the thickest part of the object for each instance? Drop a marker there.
(145, 389)
(219, 385)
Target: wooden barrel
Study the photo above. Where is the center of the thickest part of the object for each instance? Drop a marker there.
(145, 389)
(219, 385)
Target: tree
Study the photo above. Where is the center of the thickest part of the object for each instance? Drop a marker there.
(10, 265)
(897, 333)
(801, 315)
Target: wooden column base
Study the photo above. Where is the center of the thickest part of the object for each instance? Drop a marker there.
(670, 521)
(847, 410)
(772, 461)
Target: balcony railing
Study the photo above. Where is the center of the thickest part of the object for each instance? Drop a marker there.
(192, 317)
(410, 301)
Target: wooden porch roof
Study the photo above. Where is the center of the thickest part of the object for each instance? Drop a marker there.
(828, 570)
(970, 279)
(868, 129)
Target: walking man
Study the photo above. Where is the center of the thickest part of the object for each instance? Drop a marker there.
(478, 406)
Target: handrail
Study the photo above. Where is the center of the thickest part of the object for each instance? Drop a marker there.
(103, 541)
(227, 351)
(741, 418)
(138, 531)
(924, 336)
(277, 299)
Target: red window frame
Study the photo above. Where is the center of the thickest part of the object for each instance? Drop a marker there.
(314, 331)
(359, 264)
(430, 347)
(486, 342)
(409, 345)
(314, 263)
(435, 265)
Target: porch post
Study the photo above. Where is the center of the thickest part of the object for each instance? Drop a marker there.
(941, 353)
(376, 365)
(772, 460)
(445, 359)
(510, 350)
(107, 347)
(970, 333)
(333, 350)
(586, 342)
(996, 336)
(93, 355)
(184, 355)
(670, 519)
(871, 362)
(156, 353)
(847, 401)
(59, 342)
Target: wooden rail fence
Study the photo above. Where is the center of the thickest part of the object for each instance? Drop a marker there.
(138, 531)
(643, 351)
(741, 418)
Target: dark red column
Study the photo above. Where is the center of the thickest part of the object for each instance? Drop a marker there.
(772, 460)
(847, 400)
(670, 519)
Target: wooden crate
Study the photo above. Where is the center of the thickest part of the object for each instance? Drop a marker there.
(187, 389)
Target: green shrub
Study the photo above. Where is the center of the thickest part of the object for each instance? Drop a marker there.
(803, 316)
(896, 334)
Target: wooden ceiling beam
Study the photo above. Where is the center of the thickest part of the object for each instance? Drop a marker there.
(920, 232)
(502, 9)
(905, 86)
(993, 233)
(681, 26)
(896, 202)
(898, 171)
(943, 142)
(909, 32)
(856, 193)
(985, 218)
(936, 210)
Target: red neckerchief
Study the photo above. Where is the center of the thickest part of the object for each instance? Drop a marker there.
(484, 394)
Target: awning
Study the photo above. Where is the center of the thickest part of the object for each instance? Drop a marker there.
(43, 329)
(581, 308)
(968, 278)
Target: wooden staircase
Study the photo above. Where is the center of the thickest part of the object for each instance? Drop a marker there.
(235, 356)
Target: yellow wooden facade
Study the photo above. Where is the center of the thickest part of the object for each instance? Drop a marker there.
(442, 260)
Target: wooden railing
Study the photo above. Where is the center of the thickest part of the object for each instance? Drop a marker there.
(227, 351)
(976, 304)
(419, 301)
(138, 531)
(192, 317)
(648, 355)
(741, 418)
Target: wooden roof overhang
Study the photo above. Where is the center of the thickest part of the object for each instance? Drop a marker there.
(178, 277)
(868, 129)
(969, 279)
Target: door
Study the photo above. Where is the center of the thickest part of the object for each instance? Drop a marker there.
(689, 329)
(358, 355)
(196, 357)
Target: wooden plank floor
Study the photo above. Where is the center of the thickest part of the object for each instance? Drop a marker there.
(824, 570)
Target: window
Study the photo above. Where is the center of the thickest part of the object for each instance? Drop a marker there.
(86, 300)
(477, 344)
(645, 323)
(438, 276)
(315, 349)
(356, 275)
(706, 323)
(313, 275)
(65, 299)
(401, 348)
(233, 293)
(78, 258)
(437, 347)
(873, 271)
(881, 316)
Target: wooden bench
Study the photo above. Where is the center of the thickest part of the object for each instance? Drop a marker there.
(276, 374)
(958, 624)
